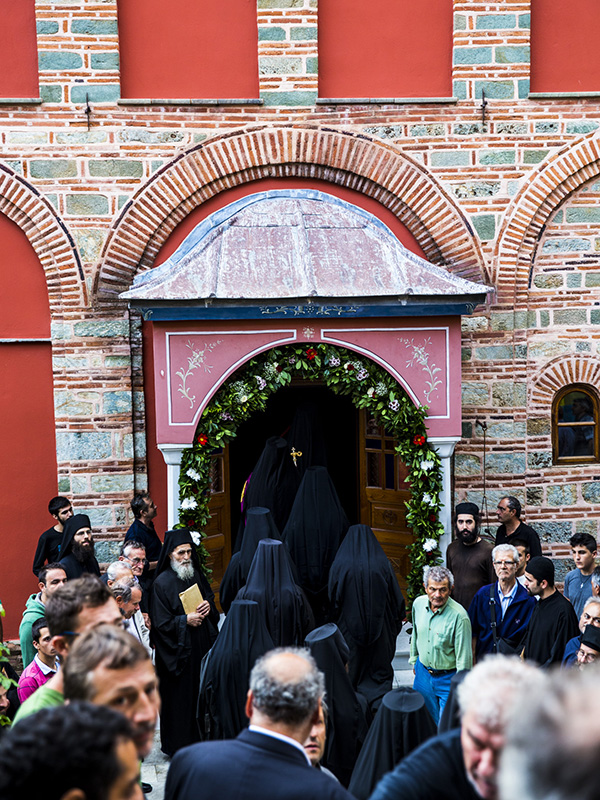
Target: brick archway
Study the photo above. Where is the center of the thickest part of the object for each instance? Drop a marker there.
(559, 373)
(561, 175)
(48, 236)
(352, 160)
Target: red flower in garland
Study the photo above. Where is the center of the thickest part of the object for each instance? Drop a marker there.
(419, 440)
(190, 523)
(279, 368)
(202, 439)
(311, 353)
(433, 518)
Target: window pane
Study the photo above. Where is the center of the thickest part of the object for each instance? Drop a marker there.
(389, 471)
(373, 470)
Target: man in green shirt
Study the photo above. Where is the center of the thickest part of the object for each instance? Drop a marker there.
(75, 607)
(441, 639)
(50, 578)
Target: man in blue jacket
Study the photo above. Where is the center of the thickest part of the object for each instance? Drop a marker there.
(500, 612)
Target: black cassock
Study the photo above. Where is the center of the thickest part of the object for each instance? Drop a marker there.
(259, 525)
(401, 724)
(180, 647)
(346, 720)
(283, 604)
(315, 528)
(369, 608)
(262, 485)
(226, 671)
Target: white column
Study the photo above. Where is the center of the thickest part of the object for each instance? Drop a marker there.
(172, 456)
(444, 445)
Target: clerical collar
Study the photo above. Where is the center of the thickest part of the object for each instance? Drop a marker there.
(282, 738)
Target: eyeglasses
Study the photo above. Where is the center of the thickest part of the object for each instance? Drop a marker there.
(137, 560)
(505, 563)
(589, 620)
(587, 658)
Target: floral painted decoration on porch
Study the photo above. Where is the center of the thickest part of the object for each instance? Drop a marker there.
(345, 372)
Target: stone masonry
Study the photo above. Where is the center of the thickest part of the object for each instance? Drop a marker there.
(512, 201)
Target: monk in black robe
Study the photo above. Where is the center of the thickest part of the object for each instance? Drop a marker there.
(401, 724)
(369, 607)
(259, 525)
(226, 671)
(181, 640)
(346, 718)
(282, 602)
(305, 448)
(314, 531)
(261, 488)
(77, 548)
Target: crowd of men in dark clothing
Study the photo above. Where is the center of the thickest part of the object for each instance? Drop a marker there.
(292, 693)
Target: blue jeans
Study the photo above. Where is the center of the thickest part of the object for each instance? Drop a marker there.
(434, 688)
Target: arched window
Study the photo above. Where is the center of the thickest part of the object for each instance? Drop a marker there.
(575, 416)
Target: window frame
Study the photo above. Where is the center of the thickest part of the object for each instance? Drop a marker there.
(592, 395)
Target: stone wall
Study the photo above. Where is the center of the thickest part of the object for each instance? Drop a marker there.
(512, 199)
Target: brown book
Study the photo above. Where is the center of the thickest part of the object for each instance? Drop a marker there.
(191, 598)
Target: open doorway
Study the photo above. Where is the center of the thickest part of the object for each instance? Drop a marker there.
(339, 421)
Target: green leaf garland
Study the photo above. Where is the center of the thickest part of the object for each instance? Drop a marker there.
(345, 372)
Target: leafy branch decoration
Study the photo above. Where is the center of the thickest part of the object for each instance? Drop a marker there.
(197, 359)
(344, 372)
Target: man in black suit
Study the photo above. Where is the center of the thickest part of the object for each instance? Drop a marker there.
(267, 760)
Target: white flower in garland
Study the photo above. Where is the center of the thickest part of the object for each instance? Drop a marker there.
(189, 504)
(429, 545)
(195, 537)
(193, 474)
(371, 391)
(243, 398)
(270, 370)
(427, 465)
(362, 374)
(334, 361)
(429, 500)
(226, 416)
(394, 405)
(261, 382)
(380, 389)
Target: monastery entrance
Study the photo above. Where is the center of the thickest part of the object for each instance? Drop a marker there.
(301, 268)
(366, 472)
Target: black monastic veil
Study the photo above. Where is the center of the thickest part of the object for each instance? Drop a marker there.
(271, 584)
(316, 526)
(259, 525)
(346, 722)
(401, 724)
(369, 608)
(226, 671)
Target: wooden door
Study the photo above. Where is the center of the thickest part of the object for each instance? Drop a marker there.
(218, 538)
(383, 494)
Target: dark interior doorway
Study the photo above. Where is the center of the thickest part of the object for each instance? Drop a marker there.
(339, 419)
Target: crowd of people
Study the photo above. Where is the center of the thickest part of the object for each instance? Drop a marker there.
(291, 694)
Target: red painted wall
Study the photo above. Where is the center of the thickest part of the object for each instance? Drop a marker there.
(18, 51)
(565, 56)
(200, 49)
(385, 48)
(28, 470)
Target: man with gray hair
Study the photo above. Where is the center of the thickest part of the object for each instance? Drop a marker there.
(462, 764)
(441, 639)
(500, 612)
(553, 744)
(267, 760)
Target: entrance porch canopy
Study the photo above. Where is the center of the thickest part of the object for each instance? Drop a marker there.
(292, 266)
